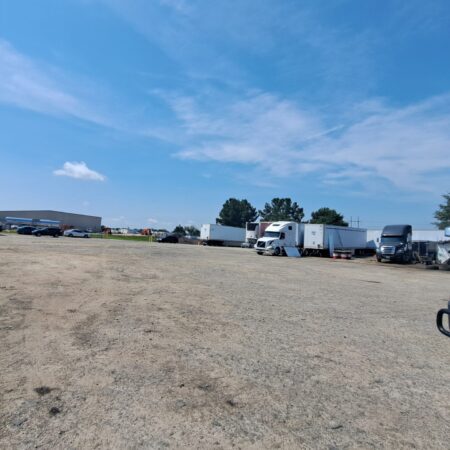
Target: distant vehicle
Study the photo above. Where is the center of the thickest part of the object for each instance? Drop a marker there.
(170, 239)
(214, 234)
(48, 231)
(76, 233)
(396, 244)
(25, 230)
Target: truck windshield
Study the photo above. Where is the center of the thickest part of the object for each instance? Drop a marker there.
(272, 234)
(392, 239)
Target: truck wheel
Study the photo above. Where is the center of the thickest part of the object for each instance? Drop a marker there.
(379, 258)
(259, 253)
(277, 251)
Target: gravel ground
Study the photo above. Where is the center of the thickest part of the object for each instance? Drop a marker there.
(112, 344)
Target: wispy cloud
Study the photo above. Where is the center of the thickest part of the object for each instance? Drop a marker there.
(31, 85)
(404, 146)
(80, 171)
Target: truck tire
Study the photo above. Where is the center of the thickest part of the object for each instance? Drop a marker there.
(379, 258)
(277, 251)
(259, 253)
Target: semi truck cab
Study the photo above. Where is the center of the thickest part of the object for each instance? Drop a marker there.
(396, 244)
(279, 235)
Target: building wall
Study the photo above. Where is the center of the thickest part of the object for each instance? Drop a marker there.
(69, 219)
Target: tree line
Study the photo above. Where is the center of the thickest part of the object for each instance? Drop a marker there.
(236, 213)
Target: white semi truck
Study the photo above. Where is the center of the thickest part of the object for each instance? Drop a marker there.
(213, 234)
(279, 236)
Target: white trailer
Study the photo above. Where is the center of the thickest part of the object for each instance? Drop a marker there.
(443, 250)
(326, 239)
(213, 234)
(254, 231)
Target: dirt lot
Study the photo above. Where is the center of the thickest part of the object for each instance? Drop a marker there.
(154, 346)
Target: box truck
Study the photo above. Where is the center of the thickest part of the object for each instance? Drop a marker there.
(279, 236)
(213, 234)
(324, 240)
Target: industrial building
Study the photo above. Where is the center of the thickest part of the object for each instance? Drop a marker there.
(51, 218)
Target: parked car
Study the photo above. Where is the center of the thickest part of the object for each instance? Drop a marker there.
(25, 230)
(76, 233)
(48, 231)
(171, 239)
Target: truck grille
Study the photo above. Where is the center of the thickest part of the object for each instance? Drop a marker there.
(388, 250)
(261, 244)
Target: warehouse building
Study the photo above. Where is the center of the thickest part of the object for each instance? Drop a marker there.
(51, 218)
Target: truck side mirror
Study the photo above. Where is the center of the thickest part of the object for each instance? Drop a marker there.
(440, 321)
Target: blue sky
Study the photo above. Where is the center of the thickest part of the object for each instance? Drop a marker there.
(153, 113)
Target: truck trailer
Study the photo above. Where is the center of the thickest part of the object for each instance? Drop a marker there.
(324, 240)
(254, 231)
(213, 234)
(443, 251)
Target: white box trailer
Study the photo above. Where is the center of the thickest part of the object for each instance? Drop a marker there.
(254, 230)
(213, 234)
(320, 239)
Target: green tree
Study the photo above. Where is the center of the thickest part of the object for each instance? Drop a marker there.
(192, 231)
(328, 216)
(179, 230)
(235, 213)
(282, 209)
(442, 215)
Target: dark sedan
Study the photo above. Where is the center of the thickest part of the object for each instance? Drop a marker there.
(171, 238)
(25, 230)
(49, 231)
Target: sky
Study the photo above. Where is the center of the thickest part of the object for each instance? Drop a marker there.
(151, 113)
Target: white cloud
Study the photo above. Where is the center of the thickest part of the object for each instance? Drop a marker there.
(151, 220)
(31, 85)
(80, 171)
(408, 146)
